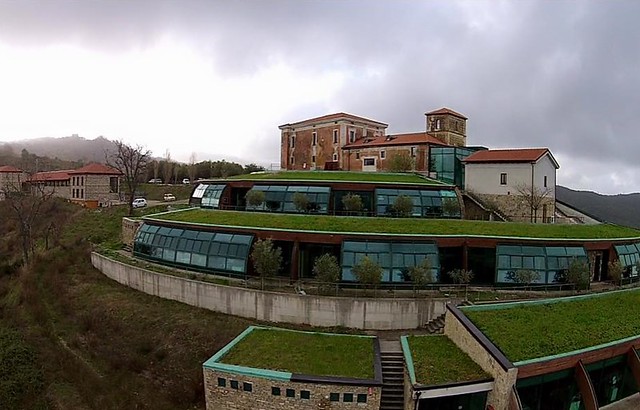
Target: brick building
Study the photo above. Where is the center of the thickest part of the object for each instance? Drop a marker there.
(352, 143)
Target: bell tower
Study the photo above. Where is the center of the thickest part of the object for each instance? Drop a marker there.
(448, 126)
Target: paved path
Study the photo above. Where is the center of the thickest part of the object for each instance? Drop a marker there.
(630, 403)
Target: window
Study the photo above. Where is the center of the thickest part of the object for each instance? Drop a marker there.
(352, 136)
(335, 157)
(347, 397)
(503, 179)
(369, 162)
(334, 396)
(313, 158)
(291, 393)
(362, 398)
(113, 185)
(82, 193)
(275, 391)
(292, 141)
(222, 382)
(291, 160)
(383, 154)
(413, 151)
(335, 136)
(305, 394)
(247, 386)
(234, 384)
(314, 138)
(545, 181)
(211, 196)
(279, 198)
(438, 125)
(357, 155)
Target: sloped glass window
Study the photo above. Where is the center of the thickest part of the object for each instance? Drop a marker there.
(629, 256)
(280, 198)
(549, 262)
(426, 203)
(211, 196)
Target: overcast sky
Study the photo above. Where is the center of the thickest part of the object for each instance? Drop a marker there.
(218, 77)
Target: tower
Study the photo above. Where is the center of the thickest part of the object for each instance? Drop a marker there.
(448, 126)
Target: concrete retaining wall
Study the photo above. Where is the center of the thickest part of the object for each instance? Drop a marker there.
(358, 313)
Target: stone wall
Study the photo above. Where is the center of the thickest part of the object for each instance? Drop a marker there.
(129, 229)
(357, 313)
(261, 396)
(516, 208)
(504, 380)
(98, 188)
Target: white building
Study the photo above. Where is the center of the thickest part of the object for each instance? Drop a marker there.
(520, 182)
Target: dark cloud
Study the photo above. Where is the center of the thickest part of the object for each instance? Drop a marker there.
(561, 74)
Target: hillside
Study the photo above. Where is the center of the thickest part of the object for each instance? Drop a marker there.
(72, 148)
(619, 209)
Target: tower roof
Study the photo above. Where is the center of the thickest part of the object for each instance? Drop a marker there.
(445, 110)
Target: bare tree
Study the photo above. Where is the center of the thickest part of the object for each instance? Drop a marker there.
(534, 197)
(168, 167)
(131, 162)
(192, 169)
(156, 169)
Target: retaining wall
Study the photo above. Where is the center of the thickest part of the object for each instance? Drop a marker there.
(358, 313)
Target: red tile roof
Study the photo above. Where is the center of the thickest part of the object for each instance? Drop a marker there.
(414, 138)
(333, 117)
(50, 176)
(9, 169)
(510, 155)
(96, 169)
(446, 110)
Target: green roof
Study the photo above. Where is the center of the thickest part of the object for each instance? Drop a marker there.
(317, 354)
(437, 360)
(397, 226)
(343, 176)
(530, 330)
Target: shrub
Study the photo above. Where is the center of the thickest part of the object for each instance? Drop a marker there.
(524, 276)
(266, 257)
(615, 271)
(255, 197)
(367, 272)
(450, 207)
(578, 273)
(352, 203)
(401, 162)
(301, 201)
(326, 268)
(403, 206)
(461, 276)
(421, 274)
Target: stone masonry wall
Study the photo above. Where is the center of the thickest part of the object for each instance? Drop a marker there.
(503, 380)
(516, 208)
(261, 396)
(129, 229)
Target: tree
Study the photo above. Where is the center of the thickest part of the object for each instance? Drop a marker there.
(192, 169)
(352, 203)
(401, 162)
(615, 272)
(249, 168)
(255, 197)
(534, 197)
(403, 206)
(167, 168)
(578, 273)
(524, 276)
(301, 201)
(266, 258)
(450, 207)
(131, 162)
(461, 276)
(421, 274)
(367, 272)
(326, 269)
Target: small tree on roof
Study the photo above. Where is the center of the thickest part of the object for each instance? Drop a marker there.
(255, 197)
(301, 201)
(266, 258)
(352, 203)
(401, 162)
(326, 269)
(403, 206)
(367, 272)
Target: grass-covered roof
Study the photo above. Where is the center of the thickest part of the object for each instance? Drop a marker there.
(317, 354)
(406, 226)
(343, 176)
(525, 331)
(437, 360)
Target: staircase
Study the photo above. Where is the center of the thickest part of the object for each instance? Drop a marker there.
(392, 375)
(436, 326)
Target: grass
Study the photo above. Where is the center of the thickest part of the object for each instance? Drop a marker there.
(437, 360)
(156, 191)
(306, 353)
(415, 226)
(350, 176)
(532, 331)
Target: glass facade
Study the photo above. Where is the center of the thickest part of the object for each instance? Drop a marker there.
(550, 262)
(394, 257)
(199, 250)
(612, 380)
(629, 256)
(472, 401)
(552, 391)
(446, 163)
(207, 195)
(279, 198)
(426, 203)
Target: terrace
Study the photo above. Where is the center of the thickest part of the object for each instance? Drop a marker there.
(525, 331)
(342, 176)
(394, 226)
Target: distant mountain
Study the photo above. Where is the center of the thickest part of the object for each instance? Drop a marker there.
(72, 148)
(621, 209)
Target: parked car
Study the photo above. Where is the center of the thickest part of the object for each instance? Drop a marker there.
(155, 181)
(139, 203)
(186, 181)
(169, 197)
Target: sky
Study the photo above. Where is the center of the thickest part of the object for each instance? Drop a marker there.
(216, 78)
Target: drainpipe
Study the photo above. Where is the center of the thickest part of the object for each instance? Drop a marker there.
(532, 193)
